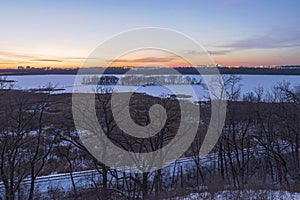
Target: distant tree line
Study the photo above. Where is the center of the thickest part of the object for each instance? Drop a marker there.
(282, 70)
(140, 80)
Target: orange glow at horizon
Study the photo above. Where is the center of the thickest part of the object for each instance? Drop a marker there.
(148, 58)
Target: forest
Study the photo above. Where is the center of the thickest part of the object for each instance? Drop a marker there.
(258, 149)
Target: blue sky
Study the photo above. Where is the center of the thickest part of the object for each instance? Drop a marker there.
(63, 33)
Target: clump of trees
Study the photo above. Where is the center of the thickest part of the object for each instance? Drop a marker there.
(137, 80)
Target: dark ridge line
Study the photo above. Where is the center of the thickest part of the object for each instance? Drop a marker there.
(287, 70)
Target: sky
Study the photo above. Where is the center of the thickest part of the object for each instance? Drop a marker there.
(63, 33)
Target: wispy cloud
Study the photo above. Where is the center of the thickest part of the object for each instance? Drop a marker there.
(78, 58)
(273, 40)
(265, 42)
(220, 52)
(144, 60)
(15, 55)
(7, 63)
(46, 60)
(194, 53)
(214, 52)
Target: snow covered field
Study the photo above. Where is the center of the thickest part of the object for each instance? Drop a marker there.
(243, 194)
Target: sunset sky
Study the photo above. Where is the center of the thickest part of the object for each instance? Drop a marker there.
(234, 32)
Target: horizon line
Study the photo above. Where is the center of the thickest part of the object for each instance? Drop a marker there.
(150, 67)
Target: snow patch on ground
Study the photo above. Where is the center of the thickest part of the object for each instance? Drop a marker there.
(243, 194)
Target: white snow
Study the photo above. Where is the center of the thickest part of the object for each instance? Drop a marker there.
(243, 194)
(248, 84)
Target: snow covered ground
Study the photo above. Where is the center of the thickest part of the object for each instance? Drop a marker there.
(243, 194)
(66, 82)
(85, 179)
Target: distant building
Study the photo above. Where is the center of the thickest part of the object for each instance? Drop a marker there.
(27, 67)
(20, 67)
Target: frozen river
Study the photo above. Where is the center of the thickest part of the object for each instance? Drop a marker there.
(248, 83)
